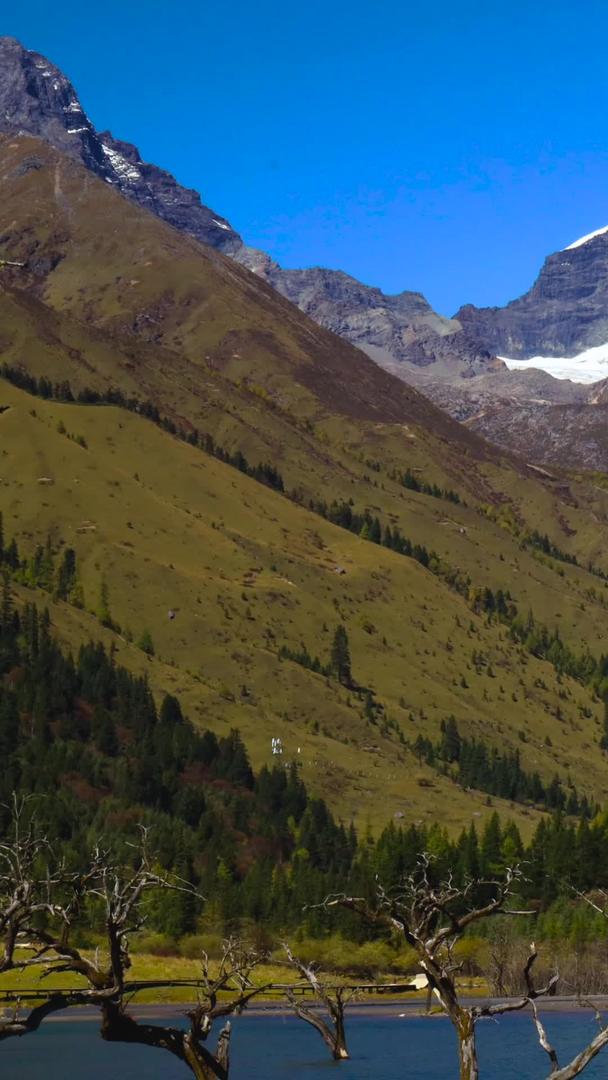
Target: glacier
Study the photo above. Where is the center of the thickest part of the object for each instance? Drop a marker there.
(587, 367)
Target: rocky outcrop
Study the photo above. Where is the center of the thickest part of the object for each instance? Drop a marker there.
(38, 99)
(570, 436)
(564, 313)
(394, 330)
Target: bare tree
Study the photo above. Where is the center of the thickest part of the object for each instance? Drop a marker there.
(233, 977)
(599, 902)
(580, 1061)
(27, 884)
(432, 918)
(31, 887)
(39, 908)
(332, 1031)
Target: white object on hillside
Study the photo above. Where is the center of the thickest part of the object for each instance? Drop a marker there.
(587, 367)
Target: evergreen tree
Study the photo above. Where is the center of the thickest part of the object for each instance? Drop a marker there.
(145, 643)
(103, 606)
(604, 738)
(450, 740)
(66, 575)
(340, 657)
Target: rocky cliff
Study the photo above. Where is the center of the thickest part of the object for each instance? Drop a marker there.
(563, 314)
(36, 98)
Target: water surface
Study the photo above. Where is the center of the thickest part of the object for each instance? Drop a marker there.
(384, 1046)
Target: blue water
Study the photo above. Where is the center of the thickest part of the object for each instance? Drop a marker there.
(383, 1047)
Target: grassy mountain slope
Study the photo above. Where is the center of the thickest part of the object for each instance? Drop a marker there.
(109, 296)
(246, 571)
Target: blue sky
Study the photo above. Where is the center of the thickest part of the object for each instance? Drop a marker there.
(442, 147)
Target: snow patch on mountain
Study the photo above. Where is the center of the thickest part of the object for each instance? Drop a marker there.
(588, 367)
(585, 239)
(123, 168)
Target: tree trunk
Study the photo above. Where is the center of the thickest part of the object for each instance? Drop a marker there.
(118, 1026)
(580, 1062)
(340, 1050)
(462, 1019)
(333, 1037)
(222, 1053)
(203, 1067)
(467, 1049)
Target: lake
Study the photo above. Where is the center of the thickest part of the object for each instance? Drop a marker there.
(384, 1047)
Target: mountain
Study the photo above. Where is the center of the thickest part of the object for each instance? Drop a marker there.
(236, 482)
(565, 313)
(401, 333)
(540, 402)
(36, 98)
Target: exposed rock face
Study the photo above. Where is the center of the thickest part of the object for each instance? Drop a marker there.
(564, 313)
(571, 436)
(393, 330)
(36, 98)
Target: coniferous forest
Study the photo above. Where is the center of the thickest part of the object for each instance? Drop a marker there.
(87, 738)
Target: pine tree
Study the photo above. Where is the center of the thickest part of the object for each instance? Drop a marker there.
(103, 607)
(11, 555)
(107, 739)
(450, 741)
(46, 567)
(340, 657)
(66, 575)
(146, 644)
(604, 738)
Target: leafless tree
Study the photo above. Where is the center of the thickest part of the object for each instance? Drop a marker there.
(31, 886)
(331, 1030)
(599, 902)
(233, 977)
(432, 918)
(40, 905)
(28, 885)
(580, 1061)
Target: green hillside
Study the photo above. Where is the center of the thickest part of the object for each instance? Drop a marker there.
(245, 572)
(108, 296)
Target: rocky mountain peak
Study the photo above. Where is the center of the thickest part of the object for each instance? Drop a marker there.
(562, 315)
(38, 99)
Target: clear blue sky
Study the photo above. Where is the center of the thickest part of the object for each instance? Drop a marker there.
(442, 147)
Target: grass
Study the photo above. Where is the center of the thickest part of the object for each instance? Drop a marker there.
(148, 967)
(246, 571)
(129, 302)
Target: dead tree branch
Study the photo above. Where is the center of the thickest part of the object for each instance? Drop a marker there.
(333, 1032)
(432, 916)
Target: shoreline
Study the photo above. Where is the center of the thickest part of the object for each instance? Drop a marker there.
(398, 1010)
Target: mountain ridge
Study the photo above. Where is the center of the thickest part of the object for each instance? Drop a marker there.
(562, 314)
(451, 361)
(36, 98)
